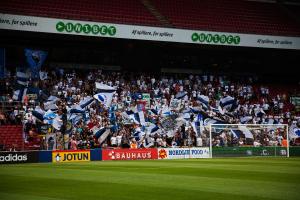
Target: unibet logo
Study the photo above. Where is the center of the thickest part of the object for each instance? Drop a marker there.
(85, 28)
(216, 38)
(60, 26)
(13, 158)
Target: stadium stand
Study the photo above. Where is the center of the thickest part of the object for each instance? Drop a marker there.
(11, 137)
(257, 103)
(239, 16)
(113, 11)
(229, 16)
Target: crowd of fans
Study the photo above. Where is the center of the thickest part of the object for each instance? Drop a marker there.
(174, 113)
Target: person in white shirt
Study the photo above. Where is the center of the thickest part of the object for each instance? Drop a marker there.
(119, 139)
(256, 143)
(199, 142)
(113, 140)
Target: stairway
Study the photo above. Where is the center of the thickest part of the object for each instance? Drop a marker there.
(161, 18)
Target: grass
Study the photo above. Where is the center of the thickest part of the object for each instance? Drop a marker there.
(226, 178)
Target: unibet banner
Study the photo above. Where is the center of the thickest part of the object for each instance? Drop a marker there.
(71, 156)
(97, 29)
(183, 153)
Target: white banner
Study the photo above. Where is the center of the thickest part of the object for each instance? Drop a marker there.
(97, 29)
(183, 153)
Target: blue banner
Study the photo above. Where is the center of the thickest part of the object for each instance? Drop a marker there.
(35, 60)
(2, 63)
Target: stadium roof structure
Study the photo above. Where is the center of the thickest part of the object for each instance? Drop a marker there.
(252, 23)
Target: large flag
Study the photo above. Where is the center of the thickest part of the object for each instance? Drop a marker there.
(51, 105)
(295, 132)
(77, 109)
(104, 98)
(204, 100)
(38, 113)
(57, 122)
(20, 94)
(135, 117)
(22, 78)
(2, 63)
(246, 132)
(103, 136)
(43, 75)
(100, 134)
(49, 116)
(197, 125)
(180, 95)
(104, 87)
(245, 119)
(235, 133)
(86, 102)
(52, 98)
(35, 60)
(228, 103)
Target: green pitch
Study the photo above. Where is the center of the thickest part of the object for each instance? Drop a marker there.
(238, 178)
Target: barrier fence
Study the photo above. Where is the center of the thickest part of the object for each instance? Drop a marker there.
(138, 154)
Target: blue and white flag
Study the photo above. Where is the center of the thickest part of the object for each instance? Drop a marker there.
(180, 95)
(49, 116)
(204, 100)
(22, 78)
(228, 103)
(103, 136)
(245, 119)
(155, 130)
(74, 118)
(246, 132)
(43, 75)
(295, 133)
(38, 113)
(104, 98)
(86, 102)
(104, 87)
(138, 134)
(35, 60)
(20, 94)
(165, 112)
(57, 122)
(218, 128)
(51, 105)
(197, 125)
(260, 113)
(235, 133)
(141, 118)
(137, 118)
(76, 109)
(100, 134)
(53, 98)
